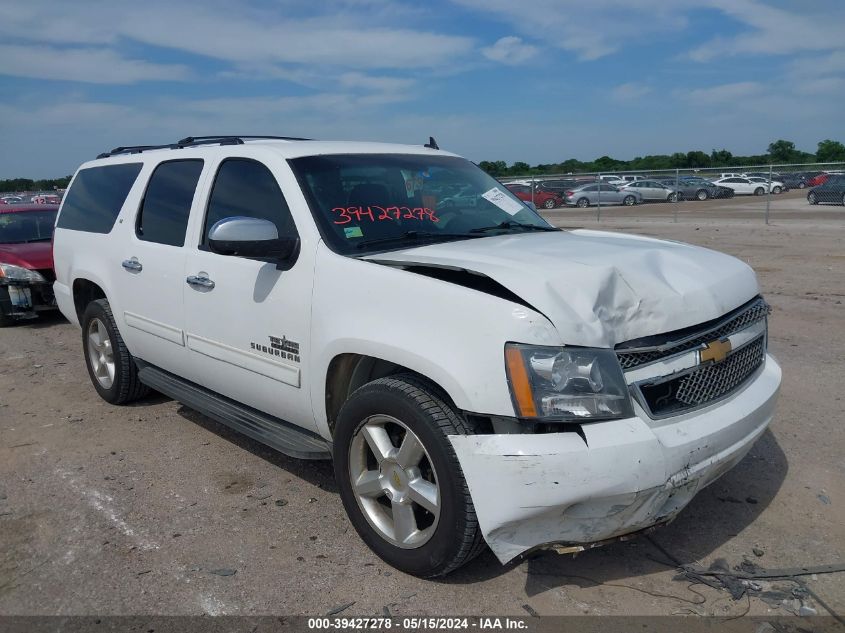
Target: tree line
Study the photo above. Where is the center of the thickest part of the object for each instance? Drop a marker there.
(779, 152)
(28, 184)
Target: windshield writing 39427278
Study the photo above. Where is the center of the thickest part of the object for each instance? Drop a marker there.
(375, 213)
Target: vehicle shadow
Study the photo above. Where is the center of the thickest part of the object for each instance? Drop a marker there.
(316, 472)
(44, 320)
(715, 515)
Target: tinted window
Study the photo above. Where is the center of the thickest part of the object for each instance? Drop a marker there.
(96, 197)
(26, 226)
(163, 217)
(246, 188)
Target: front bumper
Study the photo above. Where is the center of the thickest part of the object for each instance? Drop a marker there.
(23, 300)
(623, 476)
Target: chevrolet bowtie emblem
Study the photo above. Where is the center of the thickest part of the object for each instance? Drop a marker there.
(715, 351)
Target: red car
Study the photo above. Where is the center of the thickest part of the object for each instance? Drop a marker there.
(818, 179)
(542, 198)
(26, 261)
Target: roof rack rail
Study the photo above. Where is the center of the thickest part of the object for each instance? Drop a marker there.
(193, 141)
(234, 139)
(134, 149)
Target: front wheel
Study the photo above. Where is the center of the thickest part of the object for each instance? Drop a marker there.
(400, 480)
(759, 191)
(110, 365)
(549, 204)
(802, 184)
(583, 203)
(629, 201)
(811, 198)
(776, 190)
(673, 197)
(702, 194)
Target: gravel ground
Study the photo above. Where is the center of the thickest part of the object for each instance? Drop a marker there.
(154, 509)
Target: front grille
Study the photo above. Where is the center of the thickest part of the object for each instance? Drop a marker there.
(675, 343)
(705, 384)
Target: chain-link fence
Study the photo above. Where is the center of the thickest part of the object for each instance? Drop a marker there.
(748, 188)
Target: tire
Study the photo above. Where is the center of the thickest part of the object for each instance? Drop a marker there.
(629, 201)
(802, 184)
(759, 191)
(843, 200)
(673, 197)
(702, 194)
(549, 204)
(811, 198)
(776, 190)
(118, 384)
(583, 203)
(388, 409)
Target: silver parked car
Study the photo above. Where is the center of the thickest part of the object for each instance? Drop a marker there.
(591, 193)
(653, 191)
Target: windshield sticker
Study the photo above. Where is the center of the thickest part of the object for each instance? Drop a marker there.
(353, 231)
(503, 201)
(413, 181)
(379, 214)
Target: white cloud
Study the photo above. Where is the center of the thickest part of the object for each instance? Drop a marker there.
(246, 36)
(726, 93)
(774, 31)
(91, 65)
(510, 50)
(629, 91)
(590, 30)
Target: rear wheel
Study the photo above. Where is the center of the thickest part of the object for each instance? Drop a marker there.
(702, 194)
(811, 198)
(110, 365)
(549, 204)
(673, 197)
(399, 479)
(759, 191)
(629, 201)
(843, 200)
(802, 184)
(583, 203)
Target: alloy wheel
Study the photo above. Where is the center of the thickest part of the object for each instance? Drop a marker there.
(100, 353)
(394, 482)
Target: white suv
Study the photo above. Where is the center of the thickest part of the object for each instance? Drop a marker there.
(475, 374)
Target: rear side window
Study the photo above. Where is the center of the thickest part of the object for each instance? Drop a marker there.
(163, 217)
(96, 197)
(246, 188)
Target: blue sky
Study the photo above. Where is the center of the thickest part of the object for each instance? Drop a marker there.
(531, 80)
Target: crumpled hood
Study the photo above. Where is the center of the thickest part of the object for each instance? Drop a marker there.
(600, 288)
(35, 255)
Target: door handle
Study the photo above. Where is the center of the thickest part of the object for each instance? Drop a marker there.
(132, 265)
(200, 281)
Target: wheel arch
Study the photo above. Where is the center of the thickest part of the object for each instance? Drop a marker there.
(84, 292)
(347, 372)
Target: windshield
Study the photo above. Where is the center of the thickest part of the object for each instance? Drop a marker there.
(374, 202)
(27, 226)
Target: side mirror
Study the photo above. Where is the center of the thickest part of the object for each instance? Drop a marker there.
(251, 237)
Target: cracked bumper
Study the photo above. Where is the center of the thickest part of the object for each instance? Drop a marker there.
(534, 490)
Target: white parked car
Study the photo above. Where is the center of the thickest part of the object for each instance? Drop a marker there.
(776, 186)
(742, 186)
(613, 180)
(476, 374)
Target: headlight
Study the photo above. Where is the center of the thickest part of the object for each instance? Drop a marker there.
(18, 273)
(566, 383)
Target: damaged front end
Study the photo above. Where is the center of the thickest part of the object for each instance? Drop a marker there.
(571, 485)
(25, 292)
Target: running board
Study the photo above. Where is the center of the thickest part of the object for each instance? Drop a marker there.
(274, 432)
